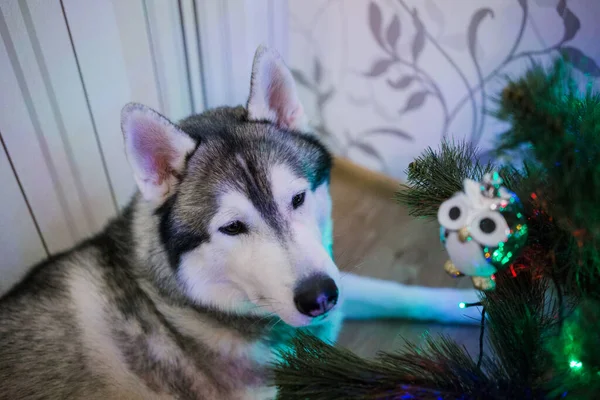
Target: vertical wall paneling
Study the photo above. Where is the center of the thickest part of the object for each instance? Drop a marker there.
(254, 22)
(98, 48)
(29, 67)
(27, 147)
(169, 52)
(238, 45)
(54, 56)
(231, 30)
(212, 25)
(279, 27)
(136, 52)
(258, 28)
(20, 241)
(191, 35)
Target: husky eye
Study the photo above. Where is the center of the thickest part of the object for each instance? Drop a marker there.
(234, 228)
(298, 200)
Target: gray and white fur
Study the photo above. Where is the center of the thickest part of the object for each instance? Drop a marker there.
(221, 256)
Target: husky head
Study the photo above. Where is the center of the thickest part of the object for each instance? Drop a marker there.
(241, 197)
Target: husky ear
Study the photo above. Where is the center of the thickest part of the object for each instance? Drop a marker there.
(156, 150)
(273, 94)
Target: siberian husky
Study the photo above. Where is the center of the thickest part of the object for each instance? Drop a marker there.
(223, 253)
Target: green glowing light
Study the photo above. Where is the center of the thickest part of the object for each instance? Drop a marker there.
(574, 364)
(462, 305)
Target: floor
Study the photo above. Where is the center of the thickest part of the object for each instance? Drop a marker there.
(375, 236)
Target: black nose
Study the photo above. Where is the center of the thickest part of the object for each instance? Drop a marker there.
(316, 295)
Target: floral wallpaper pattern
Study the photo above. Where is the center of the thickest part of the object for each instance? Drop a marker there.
(383, 79)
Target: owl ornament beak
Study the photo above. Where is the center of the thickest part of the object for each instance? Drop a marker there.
(463, 234)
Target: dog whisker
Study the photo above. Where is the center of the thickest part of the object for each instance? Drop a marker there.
(348, 271)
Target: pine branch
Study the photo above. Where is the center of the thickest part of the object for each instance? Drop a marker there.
(519, 325)
(315, 370)
(521, 320)
(559, 127)
(576, 354)
(436, 175)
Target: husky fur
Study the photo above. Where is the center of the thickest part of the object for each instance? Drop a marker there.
(162, 304)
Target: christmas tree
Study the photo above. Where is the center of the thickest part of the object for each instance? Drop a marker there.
(541, 321)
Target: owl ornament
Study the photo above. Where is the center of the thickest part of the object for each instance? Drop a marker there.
(483, 229)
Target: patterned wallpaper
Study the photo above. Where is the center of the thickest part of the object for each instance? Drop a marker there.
(384, 79)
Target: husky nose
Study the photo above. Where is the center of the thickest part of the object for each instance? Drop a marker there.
(316, 295)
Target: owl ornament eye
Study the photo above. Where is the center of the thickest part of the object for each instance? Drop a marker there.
(452, 214)
(483, 229)
(489, 228)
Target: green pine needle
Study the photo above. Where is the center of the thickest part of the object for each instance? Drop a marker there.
(436, 175)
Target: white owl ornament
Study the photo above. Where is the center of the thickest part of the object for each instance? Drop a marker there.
(483, 229)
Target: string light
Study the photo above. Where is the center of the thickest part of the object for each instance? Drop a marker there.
(574, 364)
(462, 304)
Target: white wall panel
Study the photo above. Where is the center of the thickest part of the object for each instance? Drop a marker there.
(279, 27)
(231, 31)
(193, 50)
(19, 241)
(35, 78)
(26, 145)
(65, 98)
(97, 43)
(236, 37)
(137, 52)
(214, 27)
(170, 57)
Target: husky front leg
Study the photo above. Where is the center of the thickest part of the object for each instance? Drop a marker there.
(370, 298)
